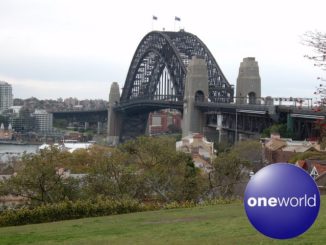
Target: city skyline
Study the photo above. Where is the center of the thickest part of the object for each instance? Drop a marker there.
(78, 48)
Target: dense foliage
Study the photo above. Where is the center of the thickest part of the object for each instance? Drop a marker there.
(68, 210)
(146, 170)
(280, 129)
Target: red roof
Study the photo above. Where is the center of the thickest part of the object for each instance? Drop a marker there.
(302, 164)
(321, 168)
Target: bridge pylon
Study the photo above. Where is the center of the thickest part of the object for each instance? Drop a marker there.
(196, 89)
(114, 118)
(248, 82)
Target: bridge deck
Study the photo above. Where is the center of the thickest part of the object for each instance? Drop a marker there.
(135, 106)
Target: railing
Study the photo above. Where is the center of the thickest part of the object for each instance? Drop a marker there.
(275, 101)
(174, 98)
(259, 103)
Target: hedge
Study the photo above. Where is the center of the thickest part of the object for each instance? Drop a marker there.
(87, 208)
(68, 210)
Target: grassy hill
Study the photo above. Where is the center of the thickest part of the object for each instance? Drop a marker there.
(219, 224)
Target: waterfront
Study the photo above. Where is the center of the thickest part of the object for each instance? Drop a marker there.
(8, 151)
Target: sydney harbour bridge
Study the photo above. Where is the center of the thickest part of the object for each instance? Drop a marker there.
(159, 66)
(176, 70)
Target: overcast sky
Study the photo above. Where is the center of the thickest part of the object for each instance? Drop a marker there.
(77, 48)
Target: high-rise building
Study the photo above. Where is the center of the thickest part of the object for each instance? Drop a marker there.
(22, 120)
(43, 120)
(6, 99)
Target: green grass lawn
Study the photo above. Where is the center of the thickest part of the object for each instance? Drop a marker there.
(219, 224)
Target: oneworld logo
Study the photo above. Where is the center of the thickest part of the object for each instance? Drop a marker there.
(282, 201)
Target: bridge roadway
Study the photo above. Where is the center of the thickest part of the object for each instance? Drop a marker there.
(304, 112)
(143, 105)
(249, 118)
(135, 106)
(93, 119)
(87, 114)
(227, 107)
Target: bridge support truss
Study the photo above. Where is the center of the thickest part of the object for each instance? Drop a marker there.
(237, 125)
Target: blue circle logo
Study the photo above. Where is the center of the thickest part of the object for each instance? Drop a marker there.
(282, 201)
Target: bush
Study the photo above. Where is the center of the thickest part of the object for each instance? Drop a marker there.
(308, 155)
(68, 210)
(82, 209)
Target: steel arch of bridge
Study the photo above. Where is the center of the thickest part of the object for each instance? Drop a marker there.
(171, 51)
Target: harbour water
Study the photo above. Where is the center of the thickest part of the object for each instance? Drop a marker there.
(8, 151)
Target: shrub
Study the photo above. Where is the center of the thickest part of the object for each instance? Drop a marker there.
(82, 209)
(68, 210)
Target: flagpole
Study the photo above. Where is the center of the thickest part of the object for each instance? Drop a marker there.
(154, 18)
(176, 19)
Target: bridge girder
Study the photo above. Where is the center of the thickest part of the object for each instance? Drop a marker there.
(171, 51)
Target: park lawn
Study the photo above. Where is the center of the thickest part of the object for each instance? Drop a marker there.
(218, 224)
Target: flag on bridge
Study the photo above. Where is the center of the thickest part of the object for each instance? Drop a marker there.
(177, 18)
(154, 17)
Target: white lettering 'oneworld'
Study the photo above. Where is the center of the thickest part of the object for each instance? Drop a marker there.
(304, 201)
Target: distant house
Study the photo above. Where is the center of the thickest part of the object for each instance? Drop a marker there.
(314, 167)
(65, 173)
(317, 170)
(278, 149)
(201, 150)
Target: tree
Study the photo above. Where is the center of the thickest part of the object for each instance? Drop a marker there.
(81, 160)
(250, 151)
(280, 129)
(194, 183)
(165, 174)
(229, 170)
(60, 123)
(112, 175)
(39, 180)
(221, 147)
(317, 41)
(145, 169)
(320, 125)
(307, 155)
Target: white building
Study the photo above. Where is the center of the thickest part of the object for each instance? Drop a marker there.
(43, 120)
(201, 150)
(6, 97)
(16, 109)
